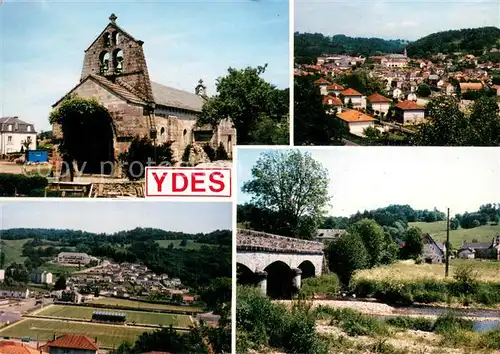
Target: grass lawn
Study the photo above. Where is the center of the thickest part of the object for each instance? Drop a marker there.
(437, 230)
(408, 270)
(142, 305)
(57, 269)
(138, 317)
(108, 336)
(13, 250)
(177, 244)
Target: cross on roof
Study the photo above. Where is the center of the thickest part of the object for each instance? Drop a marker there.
(113, 18)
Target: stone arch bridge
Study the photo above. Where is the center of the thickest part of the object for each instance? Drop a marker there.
(275, 263)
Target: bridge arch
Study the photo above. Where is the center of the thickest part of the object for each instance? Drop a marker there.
(279, 280)
(308, 269)
(244, 275)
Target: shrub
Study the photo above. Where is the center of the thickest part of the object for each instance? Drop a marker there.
(221, 153)
(356, 324)
(450, 322)
(327, 284)
(10, 184)
(415, 323)
(209, 151)
(465, 280)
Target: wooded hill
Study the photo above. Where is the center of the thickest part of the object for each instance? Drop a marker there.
(308, 46)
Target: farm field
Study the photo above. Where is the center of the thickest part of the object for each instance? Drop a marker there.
(138, 317)
(437, 230)
(408, 270)
(141, 305)
(107, 336)
(13, 250)
(177, 244)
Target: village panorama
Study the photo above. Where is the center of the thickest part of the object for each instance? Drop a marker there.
(440, 90)
(128, 291)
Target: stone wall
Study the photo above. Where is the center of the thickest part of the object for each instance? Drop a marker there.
(247, 240)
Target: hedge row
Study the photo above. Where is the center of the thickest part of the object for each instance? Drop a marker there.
(12, 184)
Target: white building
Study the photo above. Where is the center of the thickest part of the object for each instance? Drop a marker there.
(409, 111)
(13, 133)
(355, 97)
(73, 258)
(2, 274)
(379, 103)
(357, 121)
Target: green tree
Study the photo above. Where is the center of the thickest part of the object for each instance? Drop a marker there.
(485, 122)
(247, 99)
(413, 243)
(424, 90)
(97, 291)
(2, 259)
(312, 124)
(454, 223)
(372, 235)
(349, 104)
(294, 185)
(217, 295)
(60, 283)
(183, 243)
(347, 254)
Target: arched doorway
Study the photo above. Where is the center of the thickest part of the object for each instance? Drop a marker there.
(308, 269)
(244, 275)
(88, 135)
(279, 280)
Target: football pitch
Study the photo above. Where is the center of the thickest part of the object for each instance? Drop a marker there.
(107, 336)
(136, 317)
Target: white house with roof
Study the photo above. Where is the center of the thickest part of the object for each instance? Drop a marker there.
(13, 133)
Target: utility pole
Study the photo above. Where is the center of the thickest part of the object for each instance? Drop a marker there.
(447, 244)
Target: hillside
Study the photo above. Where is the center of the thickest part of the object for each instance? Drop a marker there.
(471, 40)
(308, 46)
(437, 230)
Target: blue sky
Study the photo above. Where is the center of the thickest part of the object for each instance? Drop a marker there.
(396, 19)
(44, 41)
(111, 216)
(364, 179)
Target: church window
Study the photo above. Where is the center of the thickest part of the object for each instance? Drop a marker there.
(118, 60)
(104, 62)
(107, 40)
(162, 131)
(116, 38)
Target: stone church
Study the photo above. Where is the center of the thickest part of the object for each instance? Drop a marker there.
(116, 74)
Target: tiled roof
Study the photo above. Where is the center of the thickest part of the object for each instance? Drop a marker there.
(22, 126)
(335, 87)
(335, 101)
(353, 116)
(476, 245)
(350, 92)
(471, 86)
(377, 98)
(74, 341)
(11, 347)
(171, 97)
(118, 89)
(322, 81)
(409, 106)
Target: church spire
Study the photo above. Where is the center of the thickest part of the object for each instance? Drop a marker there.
(113, 18)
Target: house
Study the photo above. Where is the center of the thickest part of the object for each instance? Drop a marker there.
(433, 252)
(13, 347)
(448, 88)
(187, 299)
(70, 296)
(328, 234)
(7, 293)
(379, 103)
(354, 96)
(396, 92)
(72, 344)
(466, 253)
(14, 133)
(482, 250)
(41, 277)
(470, 86)
(409, 111)
(323, 84)
(209, 318)
(73, 258)
(357, 121)
(333, 102)
(335, 89)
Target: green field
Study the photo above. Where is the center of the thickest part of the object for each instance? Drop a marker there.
(437, 230)
(107, 336)
(58, 269)
(13, 250)
(141, 305)
(177, 244)
(408, 270)
(138, 317)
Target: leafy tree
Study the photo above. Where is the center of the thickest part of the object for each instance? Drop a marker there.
(60, 283)
(373, 238)
(217, 295)
(424, 90)
(97, 291)
(209, 150)
(183, 243)
(245, 98)
(454, 224)
(292, 184)
(413, 243)
(485, 123)
(312, 124)
(221, 153)
(349, 104)
(268, 132)
(347, 254)
(2, 259)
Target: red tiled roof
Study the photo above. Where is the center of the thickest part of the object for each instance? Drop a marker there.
(352, 116)
(11, 347)
(188, 298)
(74, 341)
(335, 87)
(350, 92)
(377, 98)
(335, 100)
(322, 81)
(409, 106)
